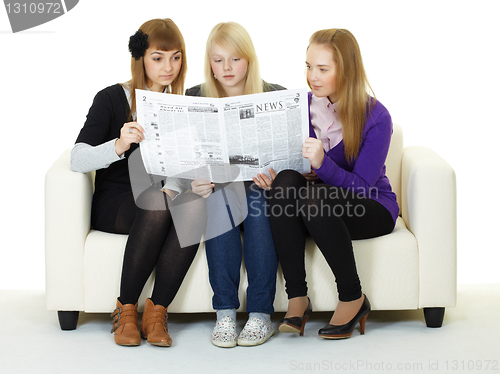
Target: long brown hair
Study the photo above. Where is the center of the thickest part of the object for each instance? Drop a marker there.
(351, 84)
(234, 38)
(163, 35)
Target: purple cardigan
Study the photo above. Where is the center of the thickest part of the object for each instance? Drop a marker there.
(366, 175)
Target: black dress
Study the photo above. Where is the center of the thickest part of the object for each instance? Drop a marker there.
(107, 115)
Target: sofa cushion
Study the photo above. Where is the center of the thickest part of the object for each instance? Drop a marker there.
(387, 267)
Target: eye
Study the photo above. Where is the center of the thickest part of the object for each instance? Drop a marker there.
(156, 58)
(236, 59)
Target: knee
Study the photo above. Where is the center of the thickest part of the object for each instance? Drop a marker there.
(152, 199)
(288, 178)
(258, 205)
(256, 195)
(192, 205)
(216, 204)
(187, 198)
(287, 185)
(221, 200)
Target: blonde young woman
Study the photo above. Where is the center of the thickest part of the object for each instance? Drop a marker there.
(351, 197)
(232, 69)
(106, 141)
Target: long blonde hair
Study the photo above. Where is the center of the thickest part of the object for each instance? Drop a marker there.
(164, 35)
(351, 85)
(233, 38)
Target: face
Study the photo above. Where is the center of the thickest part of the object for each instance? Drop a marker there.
(229, 69)
(162, 67)
(321, 71)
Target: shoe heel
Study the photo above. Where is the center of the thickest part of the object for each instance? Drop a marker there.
(296, 324)
(362, 322)
(301, 333)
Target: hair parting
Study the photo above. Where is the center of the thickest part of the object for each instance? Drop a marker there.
(233, 38)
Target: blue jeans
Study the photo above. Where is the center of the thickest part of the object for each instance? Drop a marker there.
(224, 252)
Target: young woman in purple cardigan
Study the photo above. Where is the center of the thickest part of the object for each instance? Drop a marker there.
(346, 195)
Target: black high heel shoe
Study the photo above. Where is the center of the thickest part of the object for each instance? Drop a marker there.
(296, 324)
(345, 331)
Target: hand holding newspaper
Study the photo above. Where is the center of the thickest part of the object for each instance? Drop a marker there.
(223, 139)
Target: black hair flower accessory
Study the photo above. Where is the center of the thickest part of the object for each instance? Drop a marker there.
(138, 43)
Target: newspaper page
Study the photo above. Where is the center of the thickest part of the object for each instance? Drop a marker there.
(223, 139)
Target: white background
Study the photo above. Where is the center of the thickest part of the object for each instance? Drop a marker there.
(433, 64)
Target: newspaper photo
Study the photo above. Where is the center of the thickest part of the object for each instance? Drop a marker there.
(223, 139)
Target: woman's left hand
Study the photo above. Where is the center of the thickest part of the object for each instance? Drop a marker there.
(263, 181)
(313, 150)
(312, 176)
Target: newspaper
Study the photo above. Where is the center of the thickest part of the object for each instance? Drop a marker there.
(223, 139)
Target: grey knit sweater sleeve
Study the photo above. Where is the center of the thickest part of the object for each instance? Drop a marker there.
(85, 158)
(178, 185)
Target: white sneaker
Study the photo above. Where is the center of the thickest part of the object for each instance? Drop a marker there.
(255, 332)
(224, 333)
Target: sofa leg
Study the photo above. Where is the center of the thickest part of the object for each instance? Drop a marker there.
(434, 317)
(68, 319)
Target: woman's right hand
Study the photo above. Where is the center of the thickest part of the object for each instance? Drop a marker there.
(131, 132)
(263, 181)
(202, 187)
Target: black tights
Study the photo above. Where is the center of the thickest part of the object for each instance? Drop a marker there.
(333, 217)
(153, 241)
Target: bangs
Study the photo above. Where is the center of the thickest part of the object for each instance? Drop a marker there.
(230, 44)
(165, 39)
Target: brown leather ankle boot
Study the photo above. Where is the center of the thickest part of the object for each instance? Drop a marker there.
(154, 325)
(125, 325)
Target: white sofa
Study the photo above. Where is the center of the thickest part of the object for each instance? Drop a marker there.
(414, 267)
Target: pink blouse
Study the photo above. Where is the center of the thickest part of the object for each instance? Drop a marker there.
(325, 121)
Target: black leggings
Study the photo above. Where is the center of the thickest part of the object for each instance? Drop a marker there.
(153, 242)
(333, 217)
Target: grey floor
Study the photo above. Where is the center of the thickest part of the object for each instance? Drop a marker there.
(396, 342)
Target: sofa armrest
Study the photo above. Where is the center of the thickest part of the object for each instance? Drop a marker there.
(430, 212)
(68, 197)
